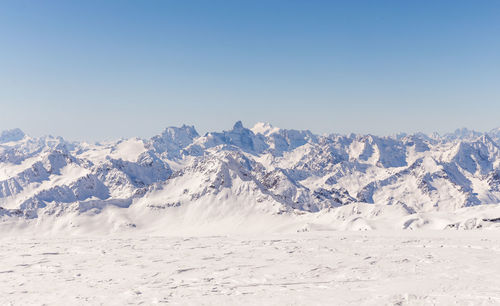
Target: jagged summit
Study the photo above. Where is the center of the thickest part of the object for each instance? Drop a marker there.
(173, 141)
(238, 125)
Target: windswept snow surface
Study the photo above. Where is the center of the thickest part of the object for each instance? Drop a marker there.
(251, 216)
(320, 268)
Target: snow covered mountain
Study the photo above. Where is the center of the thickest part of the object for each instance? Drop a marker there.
(263, 169)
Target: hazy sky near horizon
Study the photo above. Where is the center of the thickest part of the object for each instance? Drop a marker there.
(95, 70)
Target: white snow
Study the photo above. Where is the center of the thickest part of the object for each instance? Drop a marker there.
(251, 216)
(320, 268)
(264, 128)
(128, 150)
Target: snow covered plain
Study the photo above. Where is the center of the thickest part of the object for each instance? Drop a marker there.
(351, 255)
(309, 268)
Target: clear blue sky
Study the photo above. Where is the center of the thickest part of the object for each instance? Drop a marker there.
(105, 69)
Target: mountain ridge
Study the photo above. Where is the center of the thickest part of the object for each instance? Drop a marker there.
(263, 168)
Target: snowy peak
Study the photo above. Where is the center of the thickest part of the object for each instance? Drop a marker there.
(495, 135)
(173, 140)
(463, 133)
(239, 137)
(11, 135)
(181, 136)
(264, 128)
(478, 155)
(495, 132)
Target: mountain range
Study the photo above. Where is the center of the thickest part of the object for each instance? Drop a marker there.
(264, 168)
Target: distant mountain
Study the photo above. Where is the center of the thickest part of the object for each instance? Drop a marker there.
(11, 135)
(264, 168)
